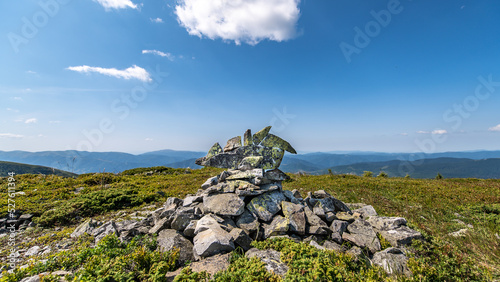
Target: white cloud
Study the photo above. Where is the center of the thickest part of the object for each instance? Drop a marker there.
(495, 128)
(157, 20)
(132, 72)
(435, 132)
(116, 4)
(404, 134)
(249, 21)
(31, 120)
(17, 98)
(159, 53)
(148, 139)
(31, 72)
(10, 135)
(12, 110)
(439, 131)
(54, 121)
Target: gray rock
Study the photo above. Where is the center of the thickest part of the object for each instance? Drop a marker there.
(106, 229)
(211, 242)
(272, 140)
(207, 222)
(459, 233)
(313, 219)
(366, 211)
(163, 223)
(276, 175)
(337, 237)
(266, 205)
(210, 182)
(189, 230)
(316, 245)
(247, 138)
(188, 201)
(355, 251)
(173, 201)
(346, 217)
(393, 261)
(321, 194)
(279, 226)
(317, 230)
(296, 194)
(241, 238)
(224, 204)
(169, 239)
(248, 222)
(260, 135)
(296, 216)
(381, 223)
(251, 162)
(247, 174)
(33, 251)
(232, 144)
(329, 217)
(181, 220)
(331, 204)
(290, 197)
(34, 278)
(362, 235)
(329, 245)
(319, 211)
(271, 258)
(401, 236)
(339, 226)
(86, 227)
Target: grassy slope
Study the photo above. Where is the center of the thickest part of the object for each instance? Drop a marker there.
(18, 168)
(429, 205)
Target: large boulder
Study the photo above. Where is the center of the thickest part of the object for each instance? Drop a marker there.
(228, 204)
(248, 222)
(169, 239)
(401, 236)
(105, 229)
(279, 226)
(86, 227)
(211, 242)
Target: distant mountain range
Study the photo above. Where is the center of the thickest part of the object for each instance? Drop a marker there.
(449, 164)
(17, 168)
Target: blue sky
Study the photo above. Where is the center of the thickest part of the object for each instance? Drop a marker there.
(339, 75)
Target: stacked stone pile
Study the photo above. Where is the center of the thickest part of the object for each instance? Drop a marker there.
(246, 202)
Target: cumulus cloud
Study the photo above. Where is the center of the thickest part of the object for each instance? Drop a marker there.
(31, 120)
(134, 72)
(495, 128)
(249, 21)
(157, 20)
(116, 4)
(11, 135)
(159, 53)
(423, 132)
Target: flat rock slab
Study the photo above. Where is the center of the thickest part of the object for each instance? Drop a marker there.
(227, 204)
(401, 236)
(362, 235)
(386, 223)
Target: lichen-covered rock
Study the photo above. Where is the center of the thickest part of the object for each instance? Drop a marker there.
(279, 226)
(362, 235)
(276, 175)
(272, 140)
(181, 220)
(224, 204)
(296, 216)
(381, 223)
(313, 219)
(366, 211)
(250, 162)
(210, 182)
(163, 223)
(169, 239)
(247, 138)
(392, 260)
(260, 135)
(266, 205)
(86, 227)
(247, 174)
(232, 144)
(105, 229)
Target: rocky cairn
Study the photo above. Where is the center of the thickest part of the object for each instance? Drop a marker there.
(246, 202)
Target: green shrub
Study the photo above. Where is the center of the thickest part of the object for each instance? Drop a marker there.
(383, 174)
(439, 176)
(367, 174)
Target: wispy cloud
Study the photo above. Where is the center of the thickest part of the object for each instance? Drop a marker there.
(148, 139)
(403, 134)
(11, 135)
(117, 4)
(31, 72)
(133, 72)
(17, 98)
(31, 120)
(435, 132)
(159, 53)
(54, 121)
(157, 20)
(12, 110)
(494, 128)
(249, 21)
